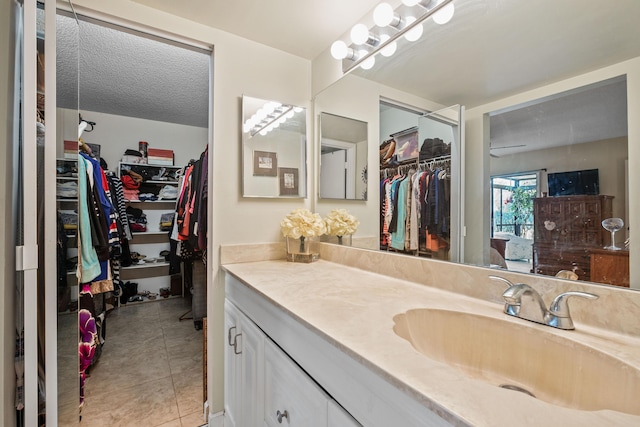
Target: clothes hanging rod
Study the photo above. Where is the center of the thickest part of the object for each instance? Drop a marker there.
(404, 132)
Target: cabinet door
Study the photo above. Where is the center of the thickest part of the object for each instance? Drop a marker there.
(252, 380)
(338, 417)
(243, 363)
(232, 367)
(548, 209)
(291, 397)
(593, 222)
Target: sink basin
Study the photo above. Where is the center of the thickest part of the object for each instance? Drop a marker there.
(517, 356)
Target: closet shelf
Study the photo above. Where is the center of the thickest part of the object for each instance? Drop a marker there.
(160, 182)
(151, 201)
(151, 165)
(149, 233)
(145, 265)
(73, 200)
(67, 178)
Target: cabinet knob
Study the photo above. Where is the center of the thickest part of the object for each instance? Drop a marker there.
(281, 415)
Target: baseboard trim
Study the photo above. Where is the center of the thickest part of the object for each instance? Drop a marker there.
(216, 420)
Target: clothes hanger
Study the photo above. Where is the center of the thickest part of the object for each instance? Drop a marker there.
(84, 126)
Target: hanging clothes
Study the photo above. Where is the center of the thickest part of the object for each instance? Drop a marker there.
(189, 233)
(415, 208)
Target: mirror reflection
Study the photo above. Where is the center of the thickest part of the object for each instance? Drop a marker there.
(343, 158)
(504, 75)
(67, 34)
(273, 149)
(420, 182)
(558, 170)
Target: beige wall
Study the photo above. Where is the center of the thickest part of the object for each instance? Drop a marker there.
(608, 156)
(359, 99)
(115, 134)
(477, 180)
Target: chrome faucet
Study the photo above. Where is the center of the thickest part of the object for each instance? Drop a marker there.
(521, 300)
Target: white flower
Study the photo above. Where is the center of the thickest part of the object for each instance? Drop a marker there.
(302, 223)
(341, 223)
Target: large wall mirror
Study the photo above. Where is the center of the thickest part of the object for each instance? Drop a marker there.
(533, 113)
(343, 158)
(274, 139)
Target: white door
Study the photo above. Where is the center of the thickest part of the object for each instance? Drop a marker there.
(333, 183)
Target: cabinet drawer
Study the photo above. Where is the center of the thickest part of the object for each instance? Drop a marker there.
(291, 397)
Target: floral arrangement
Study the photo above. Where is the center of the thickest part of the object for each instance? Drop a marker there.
(341, 223)
(301, 223)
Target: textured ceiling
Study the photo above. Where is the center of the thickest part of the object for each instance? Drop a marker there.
(129, 75)
(592, 113)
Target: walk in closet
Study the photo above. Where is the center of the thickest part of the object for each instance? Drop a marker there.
(420, 164)
(131, 187)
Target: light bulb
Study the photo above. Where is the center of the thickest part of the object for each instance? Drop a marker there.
(445, 14)
(390, 49)
(289, 114)
(297, 109)
(410, 2)
(339, 49)
(383, 14)
(415, 33)
(263, 132)
(359, 34)
(368, 63)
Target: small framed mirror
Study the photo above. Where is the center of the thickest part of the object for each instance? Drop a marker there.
(274, 139)
(343, 158)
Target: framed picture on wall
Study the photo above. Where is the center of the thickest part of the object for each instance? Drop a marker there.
(288, 181)
(265, 163)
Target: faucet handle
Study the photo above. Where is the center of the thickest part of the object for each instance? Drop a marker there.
(560, 307)
(501, 279)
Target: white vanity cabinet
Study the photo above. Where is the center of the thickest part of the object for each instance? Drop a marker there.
(244, 361)
(265, 387)
(303, 371)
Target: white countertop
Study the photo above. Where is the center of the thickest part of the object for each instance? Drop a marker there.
(354, 309)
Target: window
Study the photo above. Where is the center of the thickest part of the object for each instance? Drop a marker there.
(512, 204)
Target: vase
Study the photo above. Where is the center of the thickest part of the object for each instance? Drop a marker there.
(344, 240)
(302, 249)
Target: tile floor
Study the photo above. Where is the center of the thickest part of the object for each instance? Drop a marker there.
(150, 370)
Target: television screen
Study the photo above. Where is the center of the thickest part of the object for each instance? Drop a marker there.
(574, 183)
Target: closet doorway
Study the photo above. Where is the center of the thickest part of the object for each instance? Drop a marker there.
(142, 103)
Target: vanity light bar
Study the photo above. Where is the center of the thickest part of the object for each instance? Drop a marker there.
(378, 43)
(269, 117)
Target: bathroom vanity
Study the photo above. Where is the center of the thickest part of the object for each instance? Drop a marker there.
(331, 344)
